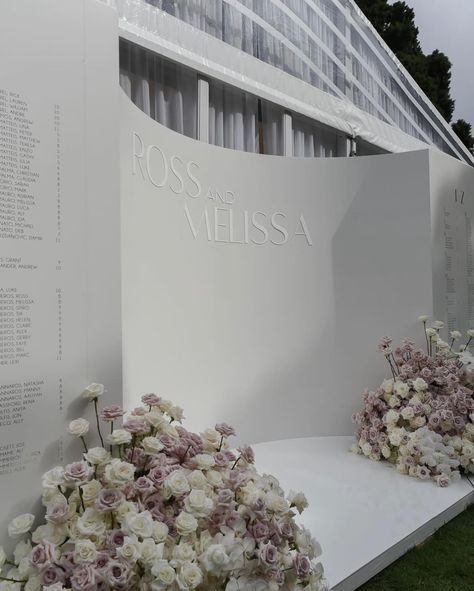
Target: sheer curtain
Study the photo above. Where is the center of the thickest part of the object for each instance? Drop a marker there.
(165, 91)
(241, 121)
(311, 140)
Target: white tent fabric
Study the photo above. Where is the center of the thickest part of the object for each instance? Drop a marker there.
(319, 58)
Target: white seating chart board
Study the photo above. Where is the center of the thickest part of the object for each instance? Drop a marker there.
(59, 232)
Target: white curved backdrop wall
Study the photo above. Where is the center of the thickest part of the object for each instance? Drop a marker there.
(255, 287)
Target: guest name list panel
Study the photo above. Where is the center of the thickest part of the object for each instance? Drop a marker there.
(59, 233)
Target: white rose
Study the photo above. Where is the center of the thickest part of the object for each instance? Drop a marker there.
(152, 445)
(149, 551)
(33, 583)
(177, 483)
(366, 448)
(455, 335)
(276, 502)
(91, 523)
(204, 461)
(401, 389)
(155, 419)
(470, 333)
(78, 427)
(93, 391)
(186, 524)
(393, 401)
(420, 385)
(118, 472)
(55, 587)
(56, 534)
(386, 451)
(211, 439)
(20, 525)
(431, 332)
(53, 478)
(85, 552)
(408, 413)
(166, 405)
(197, 479)
(165, 575)
(392, 416)
(119, 437)
(198, 503)
(22, 550)
(249, 493)
(97, 456)
(160, 531)
(90, 491)
(423, 318)
(215, 559)
(3, 557)
(297, 500)
(183, 552)
(387, 386)
(139, 524)
(442, 345)
(437, 325)
(189, 576)
(214, 478)
(9, 586)
(177, 413)
(130, 549)
(395, 437)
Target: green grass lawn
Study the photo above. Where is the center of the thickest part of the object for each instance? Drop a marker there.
(445, 562)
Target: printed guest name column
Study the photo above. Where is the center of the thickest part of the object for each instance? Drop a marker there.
(31, 263)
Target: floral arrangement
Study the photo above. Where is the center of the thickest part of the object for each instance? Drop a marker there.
(157, 508)
(422, 418)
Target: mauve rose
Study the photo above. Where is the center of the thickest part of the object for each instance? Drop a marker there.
(277, 575)
(136, 426)
(221, 459)
(225, 496)
(43, 554)
(259, 531)
(115, 537)
(51, 574)
(118, 573)
(286, 530)
(144, 485)
(83, 578)
(259, 508)
(158, 475)
(232, 518)
(230, 455)
(268, 554)
(77, 473)
(168, 441)
(225, 429)
(57, 511)
(110, 413)
(302, 566)
(442, 480)
(151, 399)
(137, 455)
(103, 560)
(109, 499)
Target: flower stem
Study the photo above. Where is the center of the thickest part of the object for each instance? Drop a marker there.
(426, 337)
(235, 463)
(82, 498)
(97, 421)
(84, 444)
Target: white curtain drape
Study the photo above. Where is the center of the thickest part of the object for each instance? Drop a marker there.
(313, 141)
(165, 91)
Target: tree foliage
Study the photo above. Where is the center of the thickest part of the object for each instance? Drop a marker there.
(463, 130)
(395, 23)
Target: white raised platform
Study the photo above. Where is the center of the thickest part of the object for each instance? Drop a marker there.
(364, 514)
